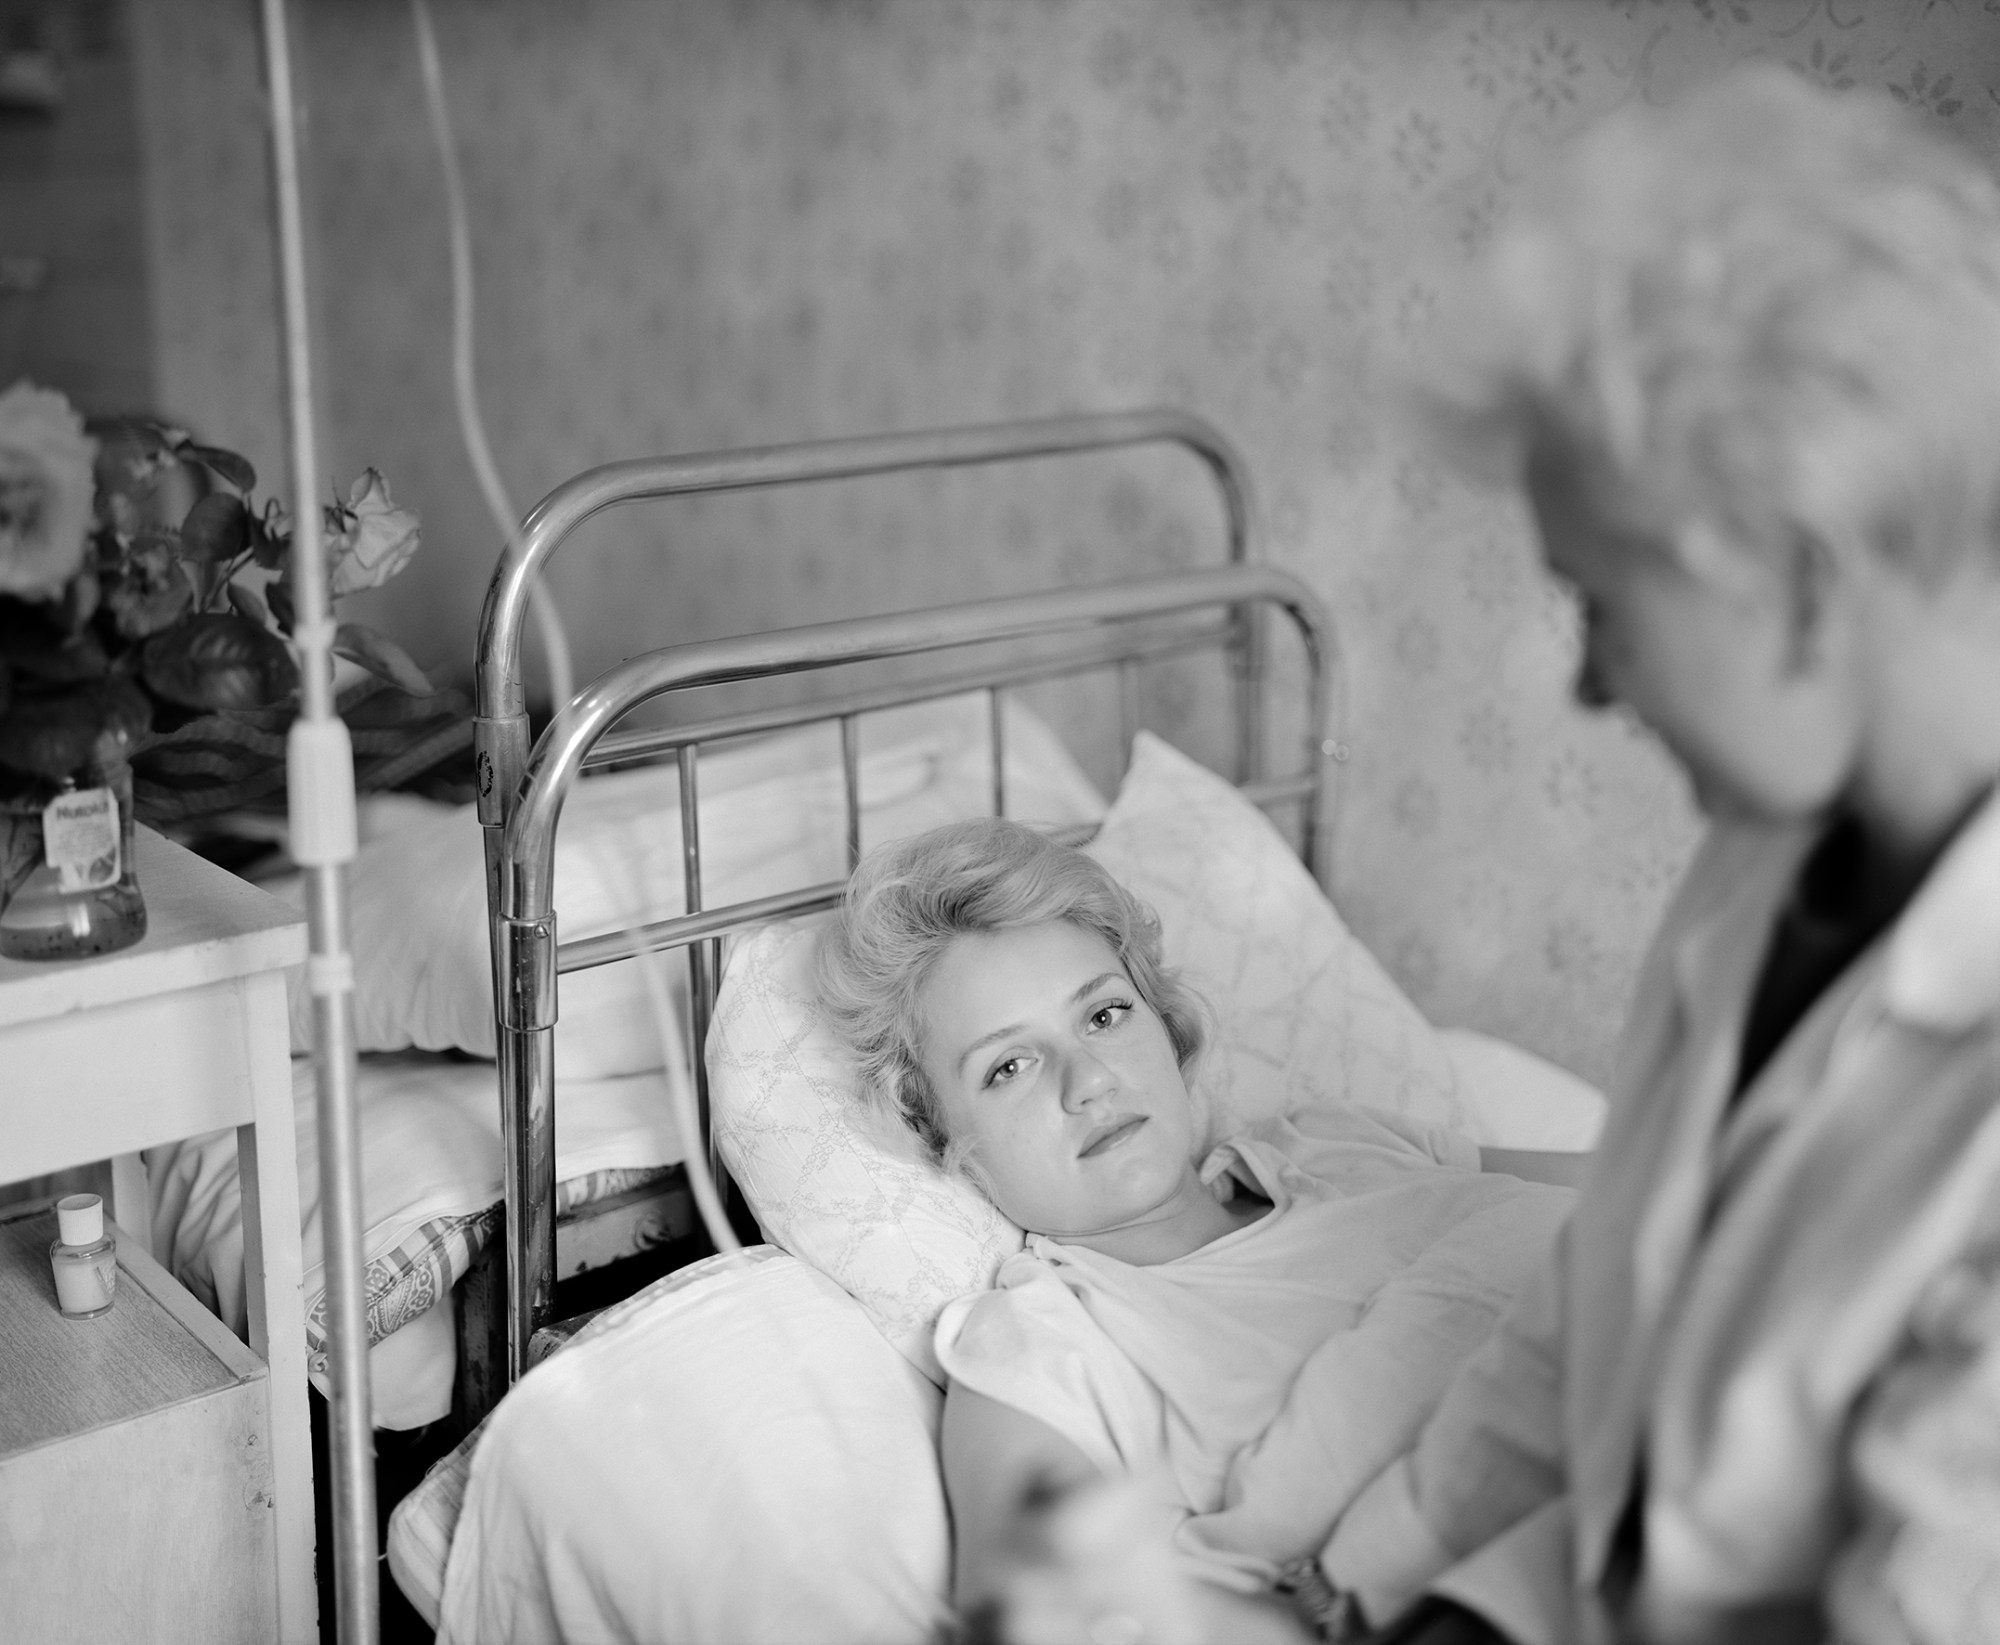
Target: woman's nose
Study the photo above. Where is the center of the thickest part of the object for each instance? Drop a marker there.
(1086, 1080)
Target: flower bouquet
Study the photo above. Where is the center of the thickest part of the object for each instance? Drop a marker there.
(144, 592)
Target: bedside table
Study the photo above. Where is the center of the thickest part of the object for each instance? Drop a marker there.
(184, 1032)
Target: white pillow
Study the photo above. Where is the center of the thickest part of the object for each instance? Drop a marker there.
(1302, 1014)
(1516, 1099)
(734, 1454)
(772, 819)
(1301, 1011)
(830, 1176)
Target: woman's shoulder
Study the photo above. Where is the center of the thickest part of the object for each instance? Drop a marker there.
(1032, 1299)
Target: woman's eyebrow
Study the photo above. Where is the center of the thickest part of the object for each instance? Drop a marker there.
(1014, 1028)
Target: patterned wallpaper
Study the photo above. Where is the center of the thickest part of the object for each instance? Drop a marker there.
(714, 223)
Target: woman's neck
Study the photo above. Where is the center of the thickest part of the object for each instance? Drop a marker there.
(1199, 1214)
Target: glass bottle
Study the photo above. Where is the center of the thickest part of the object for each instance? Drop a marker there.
(84, 1257)
(65, 910)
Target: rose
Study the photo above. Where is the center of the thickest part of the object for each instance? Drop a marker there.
(371, 539)
(46, 487)
(168, 591)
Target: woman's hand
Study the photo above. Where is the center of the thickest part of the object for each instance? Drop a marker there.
(1094, 1565)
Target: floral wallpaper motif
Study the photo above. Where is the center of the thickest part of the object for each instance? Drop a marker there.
(712, 224)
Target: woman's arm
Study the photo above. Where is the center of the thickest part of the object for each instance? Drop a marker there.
(1564, 1170)
(998, 1462)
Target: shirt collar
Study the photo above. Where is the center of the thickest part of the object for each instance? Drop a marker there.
(1942, 969)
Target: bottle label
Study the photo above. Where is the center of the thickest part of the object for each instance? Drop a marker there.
(80, 838)
(86, 1287)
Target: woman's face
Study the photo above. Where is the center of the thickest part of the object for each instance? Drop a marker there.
(1063, 1081)
(1737, 682)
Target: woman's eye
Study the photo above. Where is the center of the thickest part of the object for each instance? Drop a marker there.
(1001, 1072)
(1109, 1015)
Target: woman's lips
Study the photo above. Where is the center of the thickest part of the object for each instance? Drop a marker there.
(1112, 1136)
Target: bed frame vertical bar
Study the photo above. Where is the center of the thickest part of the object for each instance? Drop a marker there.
(528, 1145)
(708, 984)
(1248, 652)
(996, 723)
(698, 953)
(850, 776)
(1128, 710)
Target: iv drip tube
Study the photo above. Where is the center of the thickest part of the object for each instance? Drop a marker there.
(465, 388)
(320, 774)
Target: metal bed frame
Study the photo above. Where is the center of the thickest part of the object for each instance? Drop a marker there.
(1111, 627)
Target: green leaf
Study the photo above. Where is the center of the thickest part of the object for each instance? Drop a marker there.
(216, 529)
(219, 660)
(245, 601)
(236, 470)
(382, 657)
(153, 438)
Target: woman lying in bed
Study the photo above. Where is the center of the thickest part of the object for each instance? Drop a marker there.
(1255, 1327)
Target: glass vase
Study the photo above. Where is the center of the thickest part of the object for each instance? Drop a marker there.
(68, 884)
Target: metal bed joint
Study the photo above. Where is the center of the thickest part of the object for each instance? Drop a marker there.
(528, 973)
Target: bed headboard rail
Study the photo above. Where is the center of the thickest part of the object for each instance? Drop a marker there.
(501, 725)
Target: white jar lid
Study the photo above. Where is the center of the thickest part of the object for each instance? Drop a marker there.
(81, 1218)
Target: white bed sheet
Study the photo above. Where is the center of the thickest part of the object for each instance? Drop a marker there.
(680, 1391)
(672, 1476)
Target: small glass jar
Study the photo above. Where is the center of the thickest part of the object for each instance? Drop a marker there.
(85, 1258)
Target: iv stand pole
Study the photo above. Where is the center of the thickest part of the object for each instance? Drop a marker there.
(320, 780)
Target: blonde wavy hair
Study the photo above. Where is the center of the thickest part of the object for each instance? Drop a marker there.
(909, 901)
(1765, 311)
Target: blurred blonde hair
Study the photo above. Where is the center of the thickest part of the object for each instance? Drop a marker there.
(1763, 311)
(909, 901)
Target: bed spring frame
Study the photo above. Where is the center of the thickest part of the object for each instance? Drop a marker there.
(1112, 627)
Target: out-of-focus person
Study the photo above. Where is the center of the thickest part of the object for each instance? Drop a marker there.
(1743, 354)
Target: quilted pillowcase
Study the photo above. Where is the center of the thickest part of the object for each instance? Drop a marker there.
(832, 1177)
(1302, 1013)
